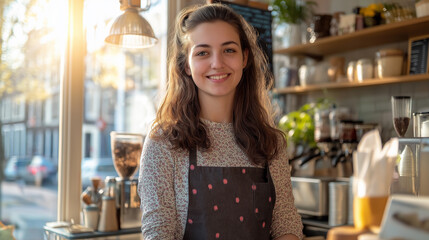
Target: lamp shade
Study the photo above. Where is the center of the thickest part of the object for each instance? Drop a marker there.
(131, 30)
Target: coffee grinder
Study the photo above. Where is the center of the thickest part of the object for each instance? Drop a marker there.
(126, 151)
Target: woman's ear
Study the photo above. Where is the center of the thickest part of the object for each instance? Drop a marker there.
(245, 57)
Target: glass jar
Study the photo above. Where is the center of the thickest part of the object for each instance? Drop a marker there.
(126, 151)
(336, 68)
(364, 69)
(421, 124)
(424, 130)
(335, 117)
(389, 62)
(348, 131)
(321, 126)
(351, 71)
(362, 128)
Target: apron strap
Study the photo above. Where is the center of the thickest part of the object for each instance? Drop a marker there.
(193, 156)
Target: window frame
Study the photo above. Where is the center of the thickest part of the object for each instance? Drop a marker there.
(71, 112)
(71, 116)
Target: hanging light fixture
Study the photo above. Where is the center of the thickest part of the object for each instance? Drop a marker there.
(131, 30)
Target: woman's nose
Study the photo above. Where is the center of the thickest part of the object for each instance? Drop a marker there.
(217, 61)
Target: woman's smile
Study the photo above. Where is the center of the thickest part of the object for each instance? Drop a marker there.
(217, 78)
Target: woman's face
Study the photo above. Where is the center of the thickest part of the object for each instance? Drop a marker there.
(215, 59)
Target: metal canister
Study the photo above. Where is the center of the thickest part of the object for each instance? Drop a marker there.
(338, 203)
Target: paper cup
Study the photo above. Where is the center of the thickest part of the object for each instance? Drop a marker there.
(368, 212)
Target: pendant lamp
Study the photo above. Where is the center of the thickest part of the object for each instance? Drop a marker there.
(131, 30)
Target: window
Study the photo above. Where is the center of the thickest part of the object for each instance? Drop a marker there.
(121, 87)
(120, 93)
(32, 45)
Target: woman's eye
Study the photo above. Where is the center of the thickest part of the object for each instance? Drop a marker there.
(230, 50)
(202, 53)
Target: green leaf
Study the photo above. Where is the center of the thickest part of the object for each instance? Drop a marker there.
(291, 11)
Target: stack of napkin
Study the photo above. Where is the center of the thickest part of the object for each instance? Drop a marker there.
(373, 167)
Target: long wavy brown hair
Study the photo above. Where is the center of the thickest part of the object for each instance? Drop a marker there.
(178, 118)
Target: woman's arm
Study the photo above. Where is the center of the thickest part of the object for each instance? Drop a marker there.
(156, 190)
(286, 220)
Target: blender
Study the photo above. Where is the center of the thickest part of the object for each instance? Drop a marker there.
(126, 152)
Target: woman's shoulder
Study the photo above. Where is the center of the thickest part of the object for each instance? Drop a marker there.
(282, 154)
(157, 142)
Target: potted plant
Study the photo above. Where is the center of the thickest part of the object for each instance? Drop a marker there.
(372, 14)
(288, 18)
(299, 125)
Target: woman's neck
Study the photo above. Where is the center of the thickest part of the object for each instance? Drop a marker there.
(217, 109)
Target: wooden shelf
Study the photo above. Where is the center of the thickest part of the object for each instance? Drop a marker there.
(338, 85)
(369, 37)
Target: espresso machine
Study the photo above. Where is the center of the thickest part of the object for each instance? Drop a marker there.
(126, 152)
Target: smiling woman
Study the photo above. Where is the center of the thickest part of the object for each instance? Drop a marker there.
(214, 165)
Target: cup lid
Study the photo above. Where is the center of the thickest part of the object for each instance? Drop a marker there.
(420, 113)
(91, 207)
(421, 2)
(389, 52)
(363, 61)
(107, 198)
(401, 97)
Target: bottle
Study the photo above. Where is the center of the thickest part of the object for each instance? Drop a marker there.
(108, 218)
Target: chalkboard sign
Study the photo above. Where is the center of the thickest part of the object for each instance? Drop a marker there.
(261, 20)
(418, 55)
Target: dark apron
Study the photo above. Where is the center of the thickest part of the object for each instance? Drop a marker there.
(229, 202)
